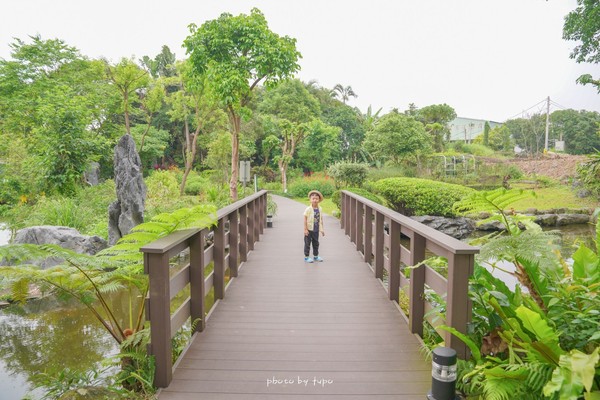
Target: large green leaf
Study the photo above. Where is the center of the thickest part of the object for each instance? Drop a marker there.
(574, 373)
(547, 338)
(585, 263)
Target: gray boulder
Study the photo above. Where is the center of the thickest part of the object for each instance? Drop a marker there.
(92, 174)
(458, 228)
(68, 238)
(128, 210)
(491, 226)
(546, 219)
(570, 219)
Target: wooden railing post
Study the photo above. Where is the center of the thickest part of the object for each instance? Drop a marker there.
(251, 223)
(394, 254)
(257, 221)
(159, 314)
(353, 214)
(379, 245)
(219, 259)
(234, 247)
(244, 233)
(360, 239)
(458, 305)
(417, 285)
(368, 242)
(197, 290)
(263, 213)
(347, 218)
(343, 210)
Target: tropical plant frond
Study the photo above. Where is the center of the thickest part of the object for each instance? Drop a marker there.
(530, 245)
(490, 201)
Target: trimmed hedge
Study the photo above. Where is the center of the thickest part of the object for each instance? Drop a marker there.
(413, 196)
(336, 197)
(302, 187)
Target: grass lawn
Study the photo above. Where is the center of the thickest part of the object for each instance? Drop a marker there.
(545, 199)
(554, 197)
(327, 205)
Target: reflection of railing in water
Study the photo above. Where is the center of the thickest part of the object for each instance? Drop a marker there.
(363, 221)
(245, 220)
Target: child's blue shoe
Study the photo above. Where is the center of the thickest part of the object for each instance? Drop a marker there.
(318, 259)
(308, 259)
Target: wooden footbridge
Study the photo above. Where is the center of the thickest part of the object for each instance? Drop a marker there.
(281, 328)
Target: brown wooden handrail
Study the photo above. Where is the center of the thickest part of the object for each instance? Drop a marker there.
(363, 221)
(238, 227)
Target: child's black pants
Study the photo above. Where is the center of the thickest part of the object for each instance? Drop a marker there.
(312, 237)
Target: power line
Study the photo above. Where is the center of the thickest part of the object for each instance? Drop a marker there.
(541, 106)
(524, 111)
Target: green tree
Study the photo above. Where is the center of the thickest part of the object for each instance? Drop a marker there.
(292, 107)
(352, 131)
(343, 92)
(320, 147)
(528, 133)
(194, 105)
(397, 137)
(486, 134)
(579, 130)
(52, 100)
(127, 78)
(583, 26)
(499, 139)
(163, 65)
(237, 53)
(436, 118)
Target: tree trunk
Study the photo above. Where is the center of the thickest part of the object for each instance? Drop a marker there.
(282, 169)
(190, 155)
(235, 152)
(126, 101)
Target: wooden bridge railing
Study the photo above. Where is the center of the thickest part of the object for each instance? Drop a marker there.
(238, 227)
(377, 232)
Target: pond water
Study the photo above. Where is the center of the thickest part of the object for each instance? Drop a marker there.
(571, 238)
(47, 335)
(4, 234)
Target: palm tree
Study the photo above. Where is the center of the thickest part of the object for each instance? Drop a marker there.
(343, 92)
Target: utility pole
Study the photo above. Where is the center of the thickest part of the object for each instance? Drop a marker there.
(547, 124)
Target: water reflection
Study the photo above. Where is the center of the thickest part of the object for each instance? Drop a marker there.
(571, 237)
(48, 336)
(4, 234)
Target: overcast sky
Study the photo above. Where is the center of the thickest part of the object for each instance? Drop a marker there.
(488, 59)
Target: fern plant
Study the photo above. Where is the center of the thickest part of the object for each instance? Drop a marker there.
(89, 279)
(526, 246)
(539, 345)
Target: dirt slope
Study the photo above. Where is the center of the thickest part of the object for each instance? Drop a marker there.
(557, 166)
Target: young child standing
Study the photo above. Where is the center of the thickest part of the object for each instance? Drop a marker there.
(313, 225)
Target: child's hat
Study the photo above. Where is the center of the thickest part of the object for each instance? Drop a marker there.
(317, 193)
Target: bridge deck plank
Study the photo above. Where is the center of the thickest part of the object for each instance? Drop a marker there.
(327, 328)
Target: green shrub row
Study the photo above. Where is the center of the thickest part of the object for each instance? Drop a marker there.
(302, 187)
(413, 196)
(336, 197)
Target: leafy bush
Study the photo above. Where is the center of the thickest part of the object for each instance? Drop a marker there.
(348, 173)
(336, 197)
(195, 185)
(390, 171)
(541, 341)
(161, 185)
(412, 196)
(267, 173)
(302, 187)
